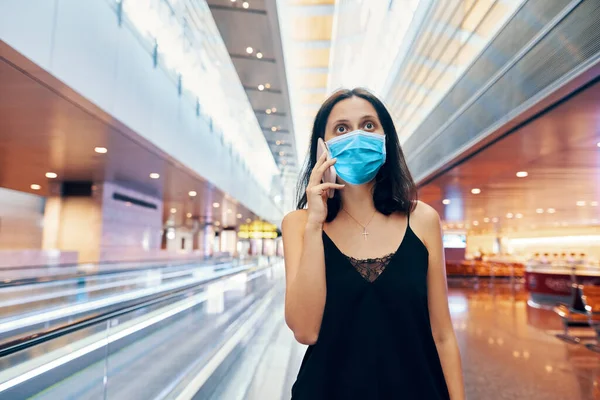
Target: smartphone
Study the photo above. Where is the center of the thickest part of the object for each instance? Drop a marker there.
(330, 176)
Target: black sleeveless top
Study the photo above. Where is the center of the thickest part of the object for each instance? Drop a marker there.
(375, 340)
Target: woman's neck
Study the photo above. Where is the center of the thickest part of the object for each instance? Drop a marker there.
(358, 201)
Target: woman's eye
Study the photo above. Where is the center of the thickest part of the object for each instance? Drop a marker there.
(369, 125)
(340, 129)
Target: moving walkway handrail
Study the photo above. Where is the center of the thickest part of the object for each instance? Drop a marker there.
(31, 340)
(113, 262)
(83, 274)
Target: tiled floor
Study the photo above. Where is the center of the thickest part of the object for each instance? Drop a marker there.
(508, 348)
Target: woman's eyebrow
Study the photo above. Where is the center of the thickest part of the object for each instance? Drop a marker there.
(367, 116)
(340, 121)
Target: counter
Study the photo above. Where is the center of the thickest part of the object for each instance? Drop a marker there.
(549, 285)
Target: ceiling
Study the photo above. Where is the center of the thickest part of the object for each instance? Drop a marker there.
(453, 35)
(250, 31)
(559, 150)
(47, 127)
(307, 28)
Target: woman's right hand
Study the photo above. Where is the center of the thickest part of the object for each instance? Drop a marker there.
(316, 192)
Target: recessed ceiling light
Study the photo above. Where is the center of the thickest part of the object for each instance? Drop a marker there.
(268, 85)
(580, 203)
(281, 153)
(486, 219)
(261, 87)
(229, 211)
(522, 174)
(495, 219)
(519, 215)
(189, 215)
(509, 215)
(216, 205)
(51, 175)
(283, 162)
(248, 220)
(217, 223)
(245, 4)
(35, 186)
(274, 109)
(128, 204)
(551, 211)
(598, 144)
(249, 50)
(594, 203)
(259, 55)
(475, 190)
(268, 111)
(446, 201)
(173, 210)
(278, 142)
(100, 150)
(192, 193)
(154, 175)
(539, 210)
(475, 223)
(274, 128)
(239, 216)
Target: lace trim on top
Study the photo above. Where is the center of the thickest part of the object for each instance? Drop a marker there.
(370, 268)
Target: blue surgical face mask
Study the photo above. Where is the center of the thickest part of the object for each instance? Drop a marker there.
(359, 155)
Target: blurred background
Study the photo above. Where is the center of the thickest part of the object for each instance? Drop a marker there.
(149, 150)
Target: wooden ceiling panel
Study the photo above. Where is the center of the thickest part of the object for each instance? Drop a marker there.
(496, 15)
(313, 58)
(476, 14)
(309, 80)
(312, 98)
(563, 169)
(316, 27)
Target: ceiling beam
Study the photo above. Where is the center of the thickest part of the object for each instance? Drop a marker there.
(277, 114)
(264, 128)
(265, 90)
(252, 58)
(237, 9)
(285, 144)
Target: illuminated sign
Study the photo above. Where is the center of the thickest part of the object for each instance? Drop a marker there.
(258, 230)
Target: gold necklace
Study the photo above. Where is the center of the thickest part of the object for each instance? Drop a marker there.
(364, 233)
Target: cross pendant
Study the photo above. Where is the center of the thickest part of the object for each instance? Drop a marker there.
(365, 233)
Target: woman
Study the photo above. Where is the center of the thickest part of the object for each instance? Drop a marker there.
(365, 275)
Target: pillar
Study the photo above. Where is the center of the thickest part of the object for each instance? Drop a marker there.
(103, 222)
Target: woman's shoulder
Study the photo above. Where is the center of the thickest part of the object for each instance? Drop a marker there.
(295, 218)
(424, 213)
(425, 223)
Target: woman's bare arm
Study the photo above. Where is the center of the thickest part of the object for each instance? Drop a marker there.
(305, 276)
(428, 222)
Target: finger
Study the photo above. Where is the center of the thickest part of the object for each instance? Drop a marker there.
(321, 159)
(319, 162)
(316, 176)
(318, 189)
(327, 164)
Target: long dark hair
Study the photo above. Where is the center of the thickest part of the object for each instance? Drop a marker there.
(394, 188)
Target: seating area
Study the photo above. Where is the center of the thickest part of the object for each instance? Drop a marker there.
(584, 310)
(483, 269)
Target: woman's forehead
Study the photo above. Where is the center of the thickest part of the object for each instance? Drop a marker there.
(353, 108)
